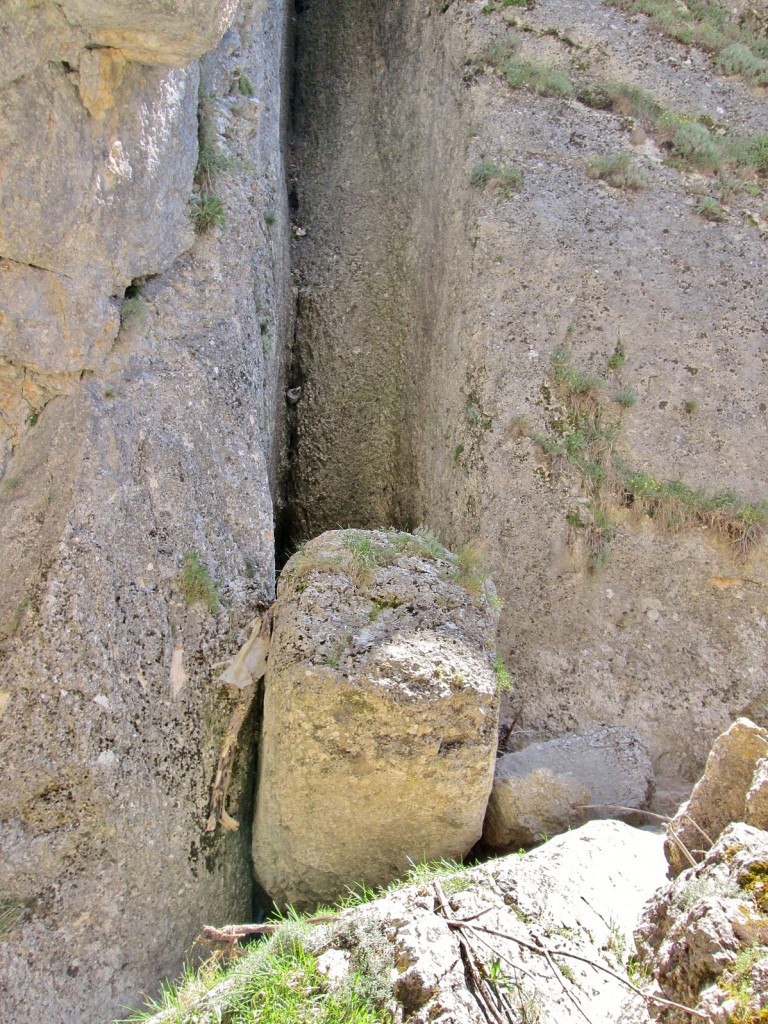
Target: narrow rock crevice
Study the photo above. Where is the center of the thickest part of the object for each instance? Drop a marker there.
(376, 119)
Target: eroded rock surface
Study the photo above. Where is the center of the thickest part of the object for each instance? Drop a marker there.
(540, 791)
(546, 938)
(380, 715)
(124, 448)
(704, 936)
(439, 303)
(720, 795)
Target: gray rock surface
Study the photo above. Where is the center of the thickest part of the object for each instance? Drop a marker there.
(123, 448)
(756, 809)
(153, 31)
(439, 305)
(380, 716)
(718, 798)
(704, 936)
(537, 791)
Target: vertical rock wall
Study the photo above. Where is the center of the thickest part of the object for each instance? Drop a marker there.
(132, 434)
(429, 311)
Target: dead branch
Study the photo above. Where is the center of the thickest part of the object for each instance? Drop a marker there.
(621, 807)
(483, 992)
(556, 971)
(242, 931)
(576, 956)
(217, 812)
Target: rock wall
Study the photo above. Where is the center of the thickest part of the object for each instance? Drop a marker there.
(137, 451)
(430, 308)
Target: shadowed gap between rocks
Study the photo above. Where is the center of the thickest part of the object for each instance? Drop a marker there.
(374, 129)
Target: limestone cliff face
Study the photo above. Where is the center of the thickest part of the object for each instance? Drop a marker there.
(133, 433)
(454, 238)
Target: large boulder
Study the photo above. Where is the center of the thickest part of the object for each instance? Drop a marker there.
(380, 715)
(543, 789)
(719, 797)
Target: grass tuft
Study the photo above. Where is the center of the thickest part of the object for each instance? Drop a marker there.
(245, 85)
(694, 144)
(197, 584)
(626, 398)
(504, 681)
(208, 211)
(618, 170)
(710, 209)
(543, 79)
(505, 180)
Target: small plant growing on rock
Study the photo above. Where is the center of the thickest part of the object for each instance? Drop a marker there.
(626, 398)
(710, 209)
(618, 357)
(504, 682)
(207, 212)
(694, 144)
(245, 86)
(505, 180)
(738, 59)
(366, 556)
(618, 170)
(197, 585)
(133, 312)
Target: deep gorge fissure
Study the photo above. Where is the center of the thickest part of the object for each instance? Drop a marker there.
(376, 124)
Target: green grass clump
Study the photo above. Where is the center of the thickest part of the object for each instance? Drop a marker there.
(208, 211)
(206, 207)
(245, 85)
(738, 983)
(543, 79)
(710, 209)
(429, 543)
(618, 357)
(675, 505)
(505, 180)
(197, 584)
(133, 311)
(626, 398)
(366, 555)
(737, 48)
(618, 170)
(470, 572)
(622, 98)
(11, 916)
(738, 59)
(504, 681)
(581, 437)
(278, 982)
(580, 390)
(694, 144)
(10, 484)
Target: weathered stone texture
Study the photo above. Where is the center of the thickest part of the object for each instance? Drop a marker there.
(537, 791)
(423, 294)
(380, 718)
(126, 448)
(154, 31)
(719, 797)
(693, 930)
